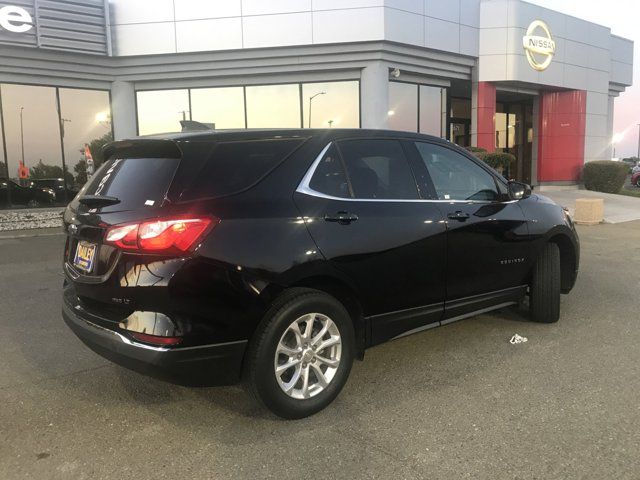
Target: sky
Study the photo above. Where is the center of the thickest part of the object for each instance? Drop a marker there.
(623, 17)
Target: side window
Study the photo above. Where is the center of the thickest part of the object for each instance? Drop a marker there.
(454, 176)
(329, 177)
(378, 169)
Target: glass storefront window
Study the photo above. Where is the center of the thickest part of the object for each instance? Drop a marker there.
(40, 134)
(160, 111)
(3, 164)
(460, 121)
(86, 116)
(334, 104)
(403, 106)
(461, 108)
(432, 110)
(219, 107)
(501, 126)
(273, 106)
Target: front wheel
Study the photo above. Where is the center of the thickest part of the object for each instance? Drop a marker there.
(301, 353)
(544, 301)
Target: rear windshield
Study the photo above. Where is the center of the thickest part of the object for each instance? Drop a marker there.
(235, 166)
(136, 182)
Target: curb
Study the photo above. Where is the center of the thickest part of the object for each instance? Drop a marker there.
(16, 234)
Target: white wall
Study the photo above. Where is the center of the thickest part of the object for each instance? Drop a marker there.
(173, 26)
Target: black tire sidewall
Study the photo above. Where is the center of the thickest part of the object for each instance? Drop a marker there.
(545, 286)
(275, 324)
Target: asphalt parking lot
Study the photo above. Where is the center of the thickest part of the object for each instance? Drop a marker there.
(455, 402)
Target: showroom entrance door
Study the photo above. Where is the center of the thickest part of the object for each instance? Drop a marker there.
(514, 132)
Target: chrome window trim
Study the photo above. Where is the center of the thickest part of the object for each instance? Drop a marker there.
(305, 189)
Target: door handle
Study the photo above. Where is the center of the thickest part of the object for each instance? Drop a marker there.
(458, 215)
(343, 218)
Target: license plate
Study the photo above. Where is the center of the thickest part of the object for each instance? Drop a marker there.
(85, 253)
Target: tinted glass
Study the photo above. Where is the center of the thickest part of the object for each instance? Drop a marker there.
(432, 110)
(235, 166)
(378, 169)
(137, 182)
(273, 106)
(219, 107)
(87, 122)
(329, 177)
(160, 111)
(35, 109)
(454, 176)
(331, 104)
(403, 106)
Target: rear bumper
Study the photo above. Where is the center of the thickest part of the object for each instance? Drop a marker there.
(204, 365)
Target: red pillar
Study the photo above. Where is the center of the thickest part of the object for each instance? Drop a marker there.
(561, 131)
(486, 116)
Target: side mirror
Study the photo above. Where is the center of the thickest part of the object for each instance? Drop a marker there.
(518, 191)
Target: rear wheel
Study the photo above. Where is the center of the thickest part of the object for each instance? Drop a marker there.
(301, 354)
(638, 182)
(544, 301)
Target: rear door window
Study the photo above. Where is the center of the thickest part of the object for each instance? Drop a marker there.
(137, 182)
(378, 168)
(235, 166)
(329, 177)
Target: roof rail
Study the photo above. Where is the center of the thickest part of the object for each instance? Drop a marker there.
(193, 126)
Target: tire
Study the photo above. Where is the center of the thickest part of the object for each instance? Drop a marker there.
(276, 332)
(544, 301)
(638, 182)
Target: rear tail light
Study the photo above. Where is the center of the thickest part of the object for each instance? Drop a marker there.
(163, 235)
(156, 339)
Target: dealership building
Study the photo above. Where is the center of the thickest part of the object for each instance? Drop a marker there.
(504, 75)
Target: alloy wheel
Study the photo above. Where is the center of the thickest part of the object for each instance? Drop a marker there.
(307, 356)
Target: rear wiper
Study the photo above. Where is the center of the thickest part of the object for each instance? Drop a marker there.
(96, 201)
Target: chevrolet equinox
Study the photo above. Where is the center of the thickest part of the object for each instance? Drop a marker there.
(277, 257)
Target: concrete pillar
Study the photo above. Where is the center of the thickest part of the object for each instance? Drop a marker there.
(608, 153)
(535, 120)
(374, 95)
(123, 109)
(483, 115)
(561, 136)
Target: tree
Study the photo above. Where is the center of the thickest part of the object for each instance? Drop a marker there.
(43, 170)
(95, 147)
(81, 172)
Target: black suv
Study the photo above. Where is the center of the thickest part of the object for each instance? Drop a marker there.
(279, 256)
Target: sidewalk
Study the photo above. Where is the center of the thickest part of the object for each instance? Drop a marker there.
(617, 208)
(30, 218)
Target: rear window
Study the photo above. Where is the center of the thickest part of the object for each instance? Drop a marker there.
(236, 166)
(136, 182)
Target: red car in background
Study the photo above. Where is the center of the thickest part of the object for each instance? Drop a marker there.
(635, 178)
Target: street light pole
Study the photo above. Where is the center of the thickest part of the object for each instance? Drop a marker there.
(639, 141)
(311, 98)
(4, 153)
(61, 122)
(22, 134)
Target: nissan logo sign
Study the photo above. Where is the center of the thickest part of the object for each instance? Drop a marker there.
(539, 48)
(15, 19)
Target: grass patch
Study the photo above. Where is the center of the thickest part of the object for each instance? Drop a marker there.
(630, 193)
